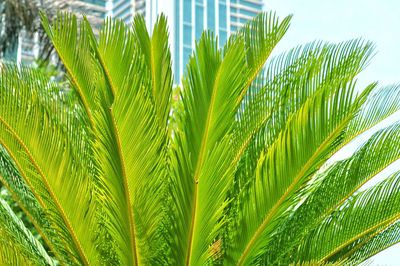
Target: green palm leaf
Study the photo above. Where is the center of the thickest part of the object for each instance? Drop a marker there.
(234, 169)
(355, 220)
(211, 89)
(332, 187)
(36, 151)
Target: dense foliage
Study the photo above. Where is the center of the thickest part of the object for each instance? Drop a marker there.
(234, 168)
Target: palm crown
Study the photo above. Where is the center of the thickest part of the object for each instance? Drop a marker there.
(114, 170)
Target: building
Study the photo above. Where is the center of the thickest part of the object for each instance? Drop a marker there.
(127, 9)
(242, 11)
(94, 10)
(188, 19)
(222, 17)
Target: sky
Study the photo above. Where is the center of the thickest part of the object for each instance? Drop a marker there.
(339, 20)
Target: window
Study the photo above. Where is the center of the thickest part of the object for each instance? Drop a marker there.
(248, 13)
(222, 16)
(187, 11)
(187, 34)
(243, 20)
(251, 4)
(199, 21)
(223, 35)
(211, 14)
(96, 2)
(186, 55)
(177, 45)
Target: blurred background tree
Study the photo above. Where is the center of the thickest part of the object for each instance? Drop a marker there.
(20, 18)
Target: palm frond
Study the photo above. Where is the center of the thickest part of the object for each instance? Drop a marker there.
(318, 127)
(71, 41)
(331, 188)
(260, 35)
(130, 144)
(21, 193)
(381, 104)
(157, 56)
(234, 169)
(355, 218)
(289, 80)
(375, 242)
(32, 137)
(211, 89)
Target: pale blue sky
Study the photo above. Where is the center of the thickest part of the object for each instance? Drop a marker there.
(338, 20)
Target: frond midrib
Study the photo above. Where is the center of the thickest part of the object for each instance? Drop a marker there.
(121, 159)
(199, 164)
(126, 191)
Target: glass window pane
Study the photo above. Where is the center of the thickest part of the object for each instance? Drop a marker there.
(211, 14)
(222, 16)
(186, 55)
(187, 11)
(223, 35)
(257, 6)
(199, 21)
(177, 45)
(187, 34)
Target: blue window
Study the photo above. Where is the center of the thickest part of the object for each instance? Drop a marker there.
(243, 20)
(187, 11)
(199, 21)
(96, 2)
(222, 16)
(121, 7)
(248, 13)
(234, 28)
(187, 34)
(186, 55)
(177, 45)
(124, 13)
(211, 14)
(250, 4)
(223, 35)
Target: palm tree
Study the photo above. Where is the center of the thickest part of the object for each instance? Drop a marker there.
(20, 18)
(236, 170)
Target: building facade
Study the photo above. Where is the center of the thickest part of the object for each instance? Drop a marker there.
(127, 9)
(192, 17)
(242, 11)
(94, 10)
(188, 19)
